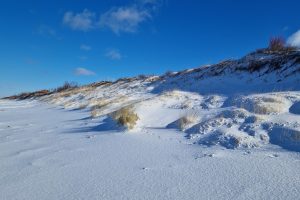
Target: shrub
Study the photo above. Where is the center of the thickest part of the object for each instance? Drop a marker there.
(276, 44)
(279, 44)
(67, 85)
(125, 117)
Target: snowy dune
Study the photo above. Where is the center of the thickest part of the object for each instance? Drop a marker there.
(226, 131)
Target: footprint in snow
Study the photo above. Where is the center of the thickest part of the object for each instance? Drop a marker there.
(247, 153)
(90, 136)
(273, 155)
(210, 155)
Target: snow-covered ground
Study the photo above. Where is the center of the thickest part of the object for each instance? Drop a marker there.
(48, 152)
(226, 131)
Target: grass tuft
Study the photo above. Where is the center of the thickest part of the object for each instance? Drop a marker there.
(125, 117)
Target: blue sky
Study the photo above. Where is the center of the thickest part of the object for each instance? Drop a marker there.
(44, 43)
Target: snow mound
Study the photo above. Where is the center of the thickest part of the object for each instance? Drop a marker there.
(254, 119)
(186, 121)
(230, 139)
(295, 108)
(259, 104)
(231, 128)
(212, 101)
(234, 114)
(285, 137)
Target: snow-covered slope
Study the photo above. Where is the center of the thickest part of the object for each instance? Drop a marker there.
(236, 103)
(225, 131)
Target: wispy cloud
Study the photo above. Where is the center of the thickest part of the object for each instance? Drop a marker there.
(79, 21)
(118, 19)
(294, 40)
(85, 47)
(124, 19)
(113, 54)
(83, 72)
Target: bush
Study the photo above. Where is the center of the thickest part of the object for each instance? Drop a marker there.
(125, 117)
(276, 44)
(67, 85)
(279, 44)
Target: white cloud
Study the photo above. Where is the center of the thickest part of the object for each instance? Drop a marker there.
(119, 19)
(85, 47)
(113, 54)
(294, 40)
(124, 19)
(83, 72)
(79, 21)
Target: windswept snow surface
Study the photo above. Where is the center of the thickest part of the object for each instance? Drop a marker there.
(48, 152)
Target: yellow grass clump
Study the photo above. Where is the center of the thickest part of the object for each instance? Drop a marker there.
(125, 117)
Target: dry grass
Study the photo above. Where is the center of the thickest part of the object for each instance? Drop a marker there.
(82, 106)
(99, 103)
(187, 120)
(268, 107)
(68, 105)
(276, 44)
(95, 113)
(170, 94)
(262, 106)
(66, 86)
(125, 117)
(98, 107)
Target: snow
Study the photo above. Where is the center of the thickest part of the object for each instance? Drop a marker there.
(47, 152)
(225, 131)
(295, 108)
